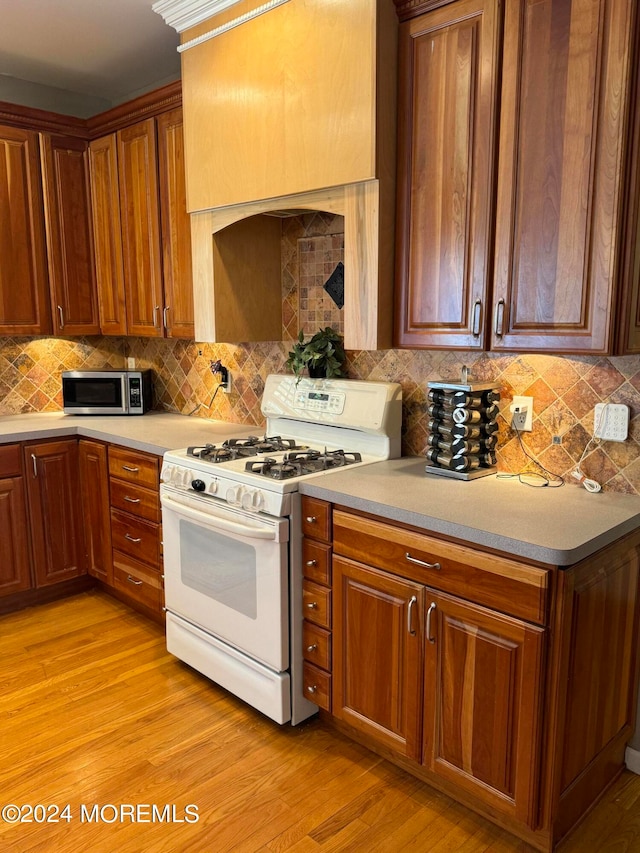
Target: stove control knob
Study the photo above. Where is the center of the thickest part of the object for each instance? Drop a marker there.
(234, 495)
(252, 500)
(198, 485)
(212, 488)
(183, 478)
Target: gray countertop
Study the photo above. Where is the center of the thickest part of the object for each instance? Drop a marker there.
(552, 526)
(556, 526)
(155, 432)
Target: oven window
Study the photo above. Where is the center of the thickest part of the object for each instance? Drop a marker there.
(220, 567)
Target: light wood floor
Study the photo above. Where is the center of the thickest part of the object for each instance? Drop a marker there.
(94, 711)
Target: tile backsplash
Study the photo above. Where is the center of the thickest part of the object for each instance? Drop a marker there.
(565, 389)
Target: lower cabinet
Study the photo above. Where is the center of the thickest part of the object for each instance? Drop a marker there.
(94, 488)
(15, 564)
(510, 686)
(53, 496)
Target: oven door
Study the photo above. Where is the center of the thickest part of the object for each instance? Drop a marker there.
(226, 571)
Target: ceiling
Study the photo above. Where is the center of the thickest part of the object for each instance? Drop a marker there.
(96, 53)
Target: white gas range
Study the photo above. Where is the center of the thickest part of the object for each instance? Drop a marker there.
(231, 531)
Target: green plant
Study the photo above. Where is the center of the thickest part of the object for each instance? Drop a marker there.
(323, 355)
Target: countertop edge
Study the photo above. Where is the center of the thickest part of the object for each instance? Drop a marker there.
(553, 557)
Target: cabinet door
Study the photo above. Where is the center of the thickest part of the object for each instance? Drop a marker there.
(377, 669)
(482, 698)
(559, 173)
(96, 514)
(15, 567)
(448, 73)
(24, 285)
(65, 172)
(53, 490)
(107, 235)
(176, 228)
(140, 221)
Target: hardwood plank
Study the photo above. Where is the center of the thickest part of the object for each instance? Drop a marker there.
(93, 710)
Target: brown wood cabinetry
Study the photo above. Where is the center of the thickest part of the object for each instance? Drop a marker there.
(137, 179)
(65, 174)
(24, 284)
(135, 527)
(53, 493)
(94, 487)
(547, 281)
(510, 686)
(15, 563)
(316, 601)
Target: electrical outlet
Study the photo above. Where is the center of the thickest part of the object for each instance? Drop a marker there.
(131, 363)
(226, 385)
(522, 413)
(611, 421)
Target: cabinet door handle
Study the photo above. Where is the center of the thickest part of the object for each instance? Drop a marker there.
(131, 500)
(422, 563)
(312, 563)
(61, 314)
(311, 519)
(312, 689)
(165, 311)
(431, 609)
(34, 462)
(130, 469)
(132, 538)
(134, 581)
(313, 605)
(477, 314)
(499, 318)
(412, 602)
(156, 314)
(313, 647)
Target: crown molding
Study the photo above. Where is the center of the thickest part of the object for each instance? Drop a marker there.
(183, 14)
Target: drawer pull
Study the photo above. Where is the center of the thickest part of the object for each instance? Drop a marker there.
(313, 647)
(311, 519)
(312, 689)
(134, 581)
(130, 469)
(131, 500)
(313, 605)
(431, 609)
(132, 538)
(312, 563)
(415, 560)
(412, 602)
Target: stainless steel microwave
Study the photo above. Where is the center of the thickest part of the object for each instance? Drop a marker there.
(107, 392)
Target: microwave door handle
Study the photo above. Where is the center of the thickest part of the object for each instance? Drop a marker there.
(125, 393)
(210, 519)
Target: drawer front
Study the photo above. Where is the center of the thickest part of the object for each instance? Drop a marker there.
(316, 604)
(139, 539)
(317, 686)
(138, 581)
(10, 461)
(494, 581)
(134, 466)
(316, 645)
(316, 519)
(128, 497)
(316, 561)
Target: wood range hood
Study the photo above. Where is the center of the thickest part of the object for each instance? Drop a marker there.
(289, 107)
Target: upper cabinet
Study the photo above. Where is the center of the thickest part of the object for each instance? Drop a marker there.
(65, 173)
(523, 256)
(142, 230)
(24, 284)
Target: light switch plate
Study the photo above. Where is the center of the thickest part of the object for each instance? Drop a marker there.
(611, 421)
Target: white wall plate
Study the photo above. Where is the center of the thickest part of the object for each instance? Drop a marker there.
(611, 421)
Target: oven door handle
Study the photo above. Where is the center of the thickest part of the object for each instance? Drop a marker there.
(213, 520)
